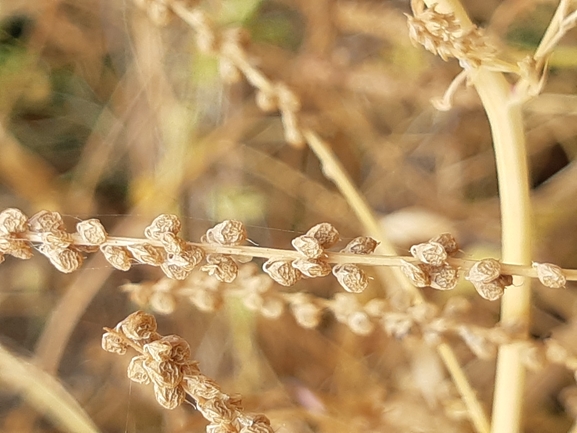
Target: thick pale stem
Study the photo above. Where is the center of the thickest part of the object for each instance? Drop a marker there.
(509, 143)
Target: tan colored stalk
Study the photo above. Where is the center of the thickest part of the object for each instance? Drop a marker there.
(509, 143)
(43, 392)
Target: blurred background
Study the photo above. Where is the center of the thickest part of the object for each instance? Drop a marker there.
(104, 114)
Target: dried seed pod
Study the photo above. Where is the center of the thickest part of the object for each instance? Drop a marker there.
(308, 246)
(162, 302)
(45, 221)
(550, 275)
(491, 291)
(312, 268)
(92, 232)
(229, 73)
(189, 257)
(351, 277)
(484, 271)
(448, 241)
(206, 300)
(222, 267)
(147, 254)
(165, 223)
(272, 307)
(325, 233)
(361, 245)
(172, 243)
(65, 261)
(360, 323)
(229, 232)
(443, 277)
(56, 240)
(417, 273)
(432, 253)
(12, 221)
(18, 248)
(113, 343)
(139, 326)
(175, 271)
(169, 398)
(119, 257)
(396, 324)
(136, 371)
(305, 311)
(282, 272)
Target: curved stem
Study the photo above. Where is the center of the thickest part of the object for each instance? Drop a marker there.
(509, 143)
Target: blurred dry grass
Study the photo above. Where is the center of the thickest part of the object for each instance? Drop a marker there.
(104, 114)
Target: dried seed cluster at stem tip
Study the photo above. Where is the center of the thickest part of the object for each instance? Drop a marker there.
(164, 362)
(433, 269)
(443, 35)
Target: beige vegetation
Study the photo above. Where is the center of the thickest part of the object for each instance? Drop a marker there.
(276, 180)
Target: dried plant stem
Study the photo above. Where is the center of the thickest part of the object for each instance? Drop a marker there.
(44, 393)
(333, 170)
(509, 143)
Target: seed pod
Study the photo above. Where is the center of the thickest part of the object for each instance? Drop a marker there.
(229, 232)
(448, 241)
(308, 246)
(175, 271)
(65, 261)
(351, 277)
(307, 314)
(361, 245)
(119, 257)
(45, 221)
(222, 267)
(325, 233)
(491, 291)
(165, 223)
(282, 272)
(12, 221)
(418, 274)
(312, 268)
(443, 277)
(432, 253)
(360, 323)
(484, 271)
(550, 275)
(18, 248)
(92, 231)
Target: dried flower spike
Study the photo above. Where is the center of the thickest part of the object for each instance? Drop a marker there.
(119, 257)
(550, 275)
